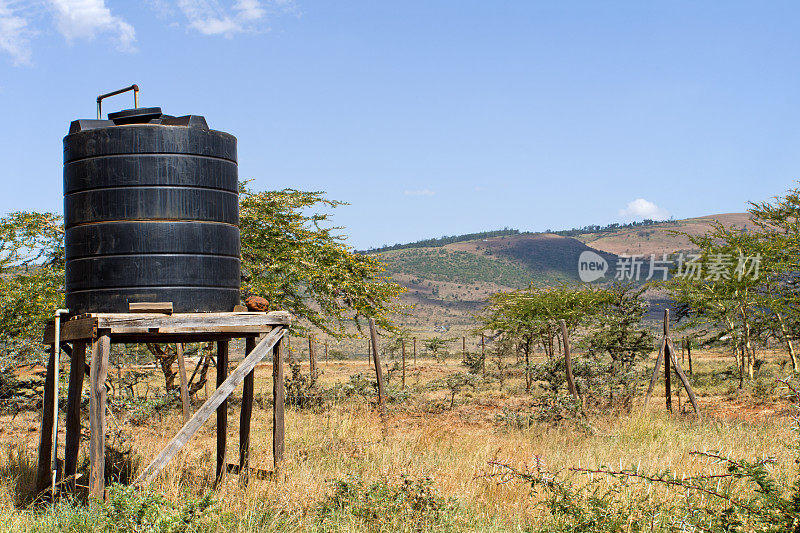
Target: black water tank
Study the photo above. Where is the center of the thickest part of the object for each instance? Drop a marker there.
(151, 212)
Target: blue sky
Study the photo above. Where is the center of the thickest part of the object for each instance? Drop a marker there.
(430, 117)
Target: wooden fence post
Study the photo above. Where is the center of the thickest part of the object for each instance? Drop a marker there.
(667, 370)
(689, 353)
(403, 347)
(379, 374)
(568, 363)
(483, 356)
(312, 360)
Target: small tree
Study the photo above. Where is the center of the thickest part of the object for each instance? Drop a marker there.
(617, 332)
(436, 346)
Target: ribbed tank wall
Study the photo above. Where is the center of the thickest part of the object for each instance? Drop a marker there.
(151, 215)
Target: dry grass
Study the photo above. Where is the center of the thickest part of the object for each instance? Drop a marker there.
(451, 447)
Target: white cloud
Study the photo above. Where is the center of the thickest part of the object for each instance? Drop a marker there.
(249, 9)
(84, 19)
(420, 192)
(641, 209)
(209, 17)
(15, 33)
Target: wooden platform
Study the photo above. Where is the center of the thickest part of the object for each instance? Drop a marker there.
(162, 328)
(99, 330)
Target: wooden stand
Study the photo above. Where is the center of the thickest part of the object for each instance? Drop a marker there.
(667, 354)
(100, 330)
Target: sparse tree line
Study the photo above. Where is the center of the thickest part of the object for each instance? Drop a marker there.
(743, 308)
(606, 322)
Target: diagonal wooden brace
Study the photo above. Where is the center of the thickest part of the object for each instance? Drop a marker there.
(208, 408)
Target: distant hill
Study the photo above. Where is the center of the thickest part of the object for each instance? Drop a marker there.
(659, 238)
(448, 279)
(513, 261)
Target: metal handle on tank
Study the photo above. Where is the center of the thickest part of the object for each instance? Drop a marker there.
(134, 88)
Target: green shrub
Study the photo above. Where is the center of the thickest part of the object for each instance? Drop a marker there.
(127, 509)
(405, 505)
(300, 390)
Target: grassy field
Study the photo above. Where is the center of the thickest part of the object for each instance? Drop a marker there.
(436, 469)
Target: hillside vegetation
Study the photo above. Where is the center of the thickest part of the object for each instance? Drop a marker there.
(451, 277)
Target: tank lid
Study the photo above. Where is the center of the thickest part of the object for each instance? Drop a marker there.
(141, 115)
(138, 115)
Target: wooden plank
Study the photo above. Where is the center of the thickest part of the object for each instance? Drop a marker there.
(143, 338)
(72, 442)
(225, 331)
(568, 363)
(208, 408)
(379, 374)
(71, 330)
(222, 409)
(150, 307)
(246, 414)
(43, 472)
(278, 406)
(192, 322)
(97, 415)
(187, 408)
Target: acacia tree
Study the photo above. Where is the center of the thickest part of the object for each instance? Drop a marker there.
(530, 316)
(31, 279)
(437, 346)
(779, 244)
(299, 263)
(720, 291)
(616, 331)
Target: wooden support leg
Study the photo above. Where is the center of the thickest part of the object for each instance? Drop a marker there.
(43, 472)
(245, 415)
(222, 410)
(73, 441)
(207, 409)
(184, 383)
(97, 416)
(278, 428)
